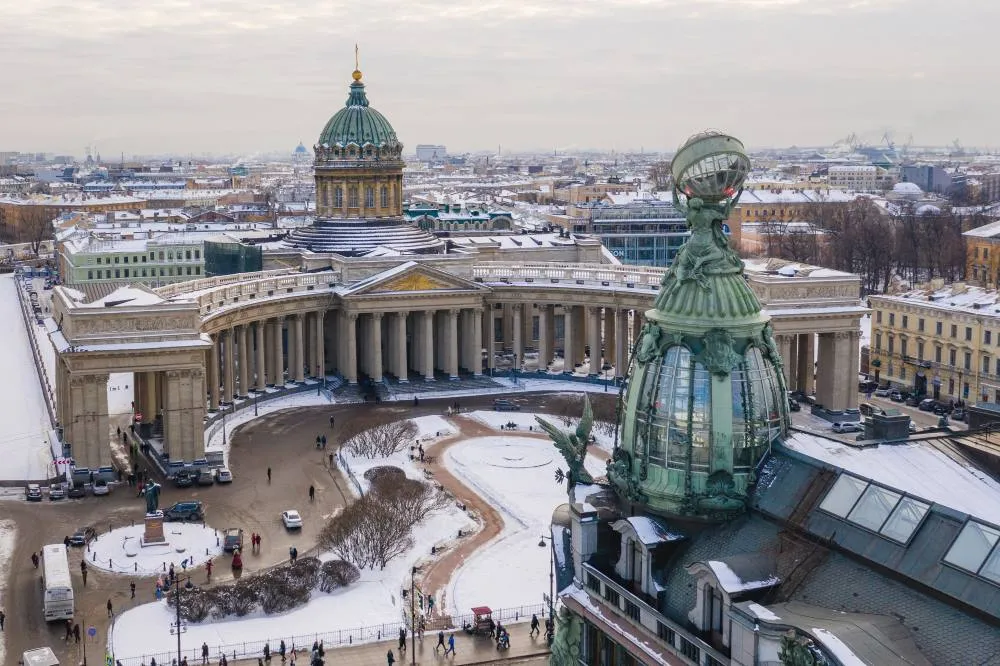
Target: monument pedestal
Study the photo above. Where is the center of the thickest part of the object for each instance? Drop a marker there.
(153, 535)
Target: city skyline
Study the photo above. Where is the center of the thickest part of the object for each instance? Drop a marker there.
(226, 77)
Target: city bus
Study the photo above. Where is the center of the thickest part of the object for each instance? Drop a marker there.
(56, 583)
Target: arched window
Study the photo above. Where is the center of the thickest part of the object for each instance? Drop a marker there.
(352, 197)
(369, 197)
(338, 197)
(385, 197)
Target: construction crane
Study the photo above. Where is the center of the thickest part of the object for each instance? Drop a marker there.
(887, 138)
(957, 148)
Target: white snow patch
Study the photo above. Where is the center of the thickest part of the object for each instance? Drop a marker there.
(732, 583)
(527, 421)
(119, 550)
(432, 427)
(8, 534)
(763, 613)
(843, 654)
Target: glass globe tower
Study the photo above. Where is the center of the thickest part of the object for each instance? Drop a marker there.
(706, 394)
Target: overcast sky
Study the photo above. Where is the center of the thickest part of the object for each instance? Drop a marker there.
(242, 76)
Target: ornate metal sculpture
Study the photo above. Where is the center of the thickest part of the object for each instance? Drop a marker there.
(621, 476)
(719, 354)
(151, 491)
(573, 445)
(566, 644)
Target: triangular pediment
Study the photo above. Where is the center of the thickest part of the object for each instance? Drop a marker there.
(412, 277)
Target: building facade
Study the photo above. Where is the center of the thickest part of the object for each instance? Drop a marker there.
(982, 255)
(154, 262)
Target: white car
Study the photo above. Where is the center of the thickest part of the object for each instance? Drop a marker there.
(101, 487)
(291, 519)
(223, 475)
(848, 427)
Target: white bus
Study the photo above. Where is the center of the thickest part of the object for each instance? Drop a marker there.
(58, 586)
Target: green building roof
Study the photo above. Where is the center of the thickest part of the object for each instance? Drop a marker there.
(358, 122)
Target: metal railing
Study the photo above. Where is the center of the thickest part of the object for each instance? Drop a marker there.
(330, 639)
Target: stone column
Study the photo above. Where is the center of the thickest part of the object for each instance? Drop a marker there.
(451, 344)
(213, 376)
(258, 329)
(784, 343)
(319, 353)
(826, 377)
(152, 379)
(638, 320)
(399, 346)
(195, 439)
(477, 341)
(842, 368)
(610, 334)
(350, 366)
(622, 350)
(227, 365)
(544, 338)
(594, 334)
(241, 346)
(172, 435)
(300, 365)
(427, 339)
(376, 341)
(568, 339)
(517, 334)
(806, 363)
(580, 331)
(279, 352)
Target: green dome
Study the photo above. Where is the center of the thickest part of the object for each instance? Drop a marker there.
(358, 123)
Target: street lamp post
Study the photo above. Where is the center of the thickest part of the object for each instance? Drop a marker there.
(178, 627)
(552, 572)
(413, 616)
(513, 369)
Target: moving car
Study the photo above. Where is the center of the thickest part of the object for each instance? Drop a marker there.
(101, 487)
(504, 405)
(847, 427)
(205, 477)
(192, 510)
(223, 475)
(83, 536)
(232, 540)
(56, 492)
(291, 519)
(33, 492)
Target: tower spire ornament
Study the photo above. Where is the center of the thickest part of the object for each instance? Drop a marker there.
(356, 74)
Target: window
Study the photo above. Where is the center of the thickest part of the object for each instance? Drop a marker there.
(690, 650)
(116, 259)
(632, 610)
(90, 275)
(118, 273)
(844, 494)
(878, 316)
(161, 256)
(665, 633)
(197, 270)
(892, 319)
(902, 372)
(920, 351)
(987, 336)
(937, 354)
(878, 342)
(125, 259)
(874, 507)
(986, 365)
(891, 514)
(611, 596)
(352, 197)
(170, 255)
(968, 333)
(920, 325)
(385, 197)
(98, 260)
(197, 254)
(937, 327)
(593, 583)
(903, 345)
(951, 357)
(126, 270)
(187, 254)
(906, 321)
(369, 197)
(144, 273)
(152, 256)
(892, 344)
(904, 519)
(143, 258)
(954, 330)
(968, 360)
(338, 197)
(975, 550)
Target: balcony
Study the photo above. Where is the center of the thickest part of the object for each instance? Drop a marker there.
(633, 609)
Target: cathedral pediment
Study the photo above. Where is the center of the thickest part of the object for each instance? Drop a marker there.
(412, 277)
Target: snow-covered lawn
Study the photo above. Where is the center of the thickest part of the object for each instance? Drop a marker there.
(24, 447)
(8, 532)
(526, 421)
(119, 550)
(516, 476)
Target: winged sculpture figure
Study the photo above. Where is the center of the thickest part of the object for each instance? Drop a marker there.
(573, 445)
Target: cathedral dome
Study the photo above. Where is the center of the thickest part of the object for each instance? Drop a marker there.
(360, 126)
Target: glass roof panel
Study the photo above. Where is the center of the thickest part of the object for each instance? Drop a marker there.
(842, 497)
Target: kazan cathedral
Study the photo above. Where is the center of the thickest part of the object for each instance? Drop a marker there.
(720, 534)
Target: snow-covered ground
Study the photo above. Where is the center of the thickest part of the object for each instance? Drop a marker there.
(516, 476)
(120, 392)
(8, 532)
(119, 550)
(358, 610)
(527, 421)
(24, 446)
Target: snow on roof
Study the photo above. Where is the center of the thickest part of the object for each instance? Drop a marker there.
(649, 531)
(907, 188)
(928, 209)
(128, 296)
(763, 613)
(917, 468)
(986, 231)
(733, 583)
(581, 597)
(836, 647)
(954, 297)
(752, 196)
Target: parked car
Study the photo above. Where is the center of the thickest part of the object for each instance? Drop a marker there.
(83, 536)
(942, 409)
(33, 492)
(76, 491)
(927, 405)
(847, 427)
(896, 396)
(192, 510)
(291, 519)
(883, 392)
(958, 414)
(232, 540)
(794, 405)
(56, 492)
(223, 475)
(183, 480)
(100, 487)
(205, 477)
(799, 396)
(913, 401)
(865, 387)
(504, 405)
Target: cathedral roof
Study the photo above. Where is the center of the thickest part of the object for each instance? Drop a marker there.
(358, 122)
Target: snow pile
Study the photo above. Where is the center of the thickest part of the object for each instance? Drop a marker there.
(732, 583)
(119, 550)
(843, 654)
(8, 533)
(763, 613)
(512, 570)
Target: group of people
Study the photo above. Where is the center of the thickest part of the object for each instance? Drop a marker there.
(315, 656)
(254, 542)
(321, 441)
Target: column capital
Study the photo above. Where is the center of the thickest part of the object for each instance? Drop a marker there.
(279, 318)
(515, 307)
(403, 314)
(377, 315)
(594, 309)
(454, 312)
(352, 316)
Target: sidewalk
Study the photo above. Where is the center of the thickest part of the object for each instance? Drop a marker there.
(468, 650)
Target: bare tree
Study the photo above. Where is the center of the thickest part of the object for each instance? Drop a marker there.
(659, 174)
(383, 440)
(35, 226)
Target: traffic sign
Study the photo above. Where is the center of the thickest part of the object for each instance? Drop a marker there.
(92, 631)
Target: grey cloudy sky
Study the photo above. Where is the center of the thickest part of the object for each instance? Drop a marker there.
(238, 76)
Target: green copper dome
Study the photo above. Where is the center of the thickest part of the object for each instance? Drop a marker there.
(358, 123)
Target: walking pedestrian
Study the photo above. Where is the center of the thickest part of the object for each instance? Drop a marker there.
(34, 559)
(69, 630)
(208, 568)
(83, 572)
(131, 587)
(204, 653)
(76, 632)
(534, 625)
(312, 493)
(281, 651)
(331, 421)
(3, 616)
(451, 645)
(267, 652)
(331, 461)
(269, 475)
(110, 607)
(440, 642)
(390, 658)
(402, 639)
